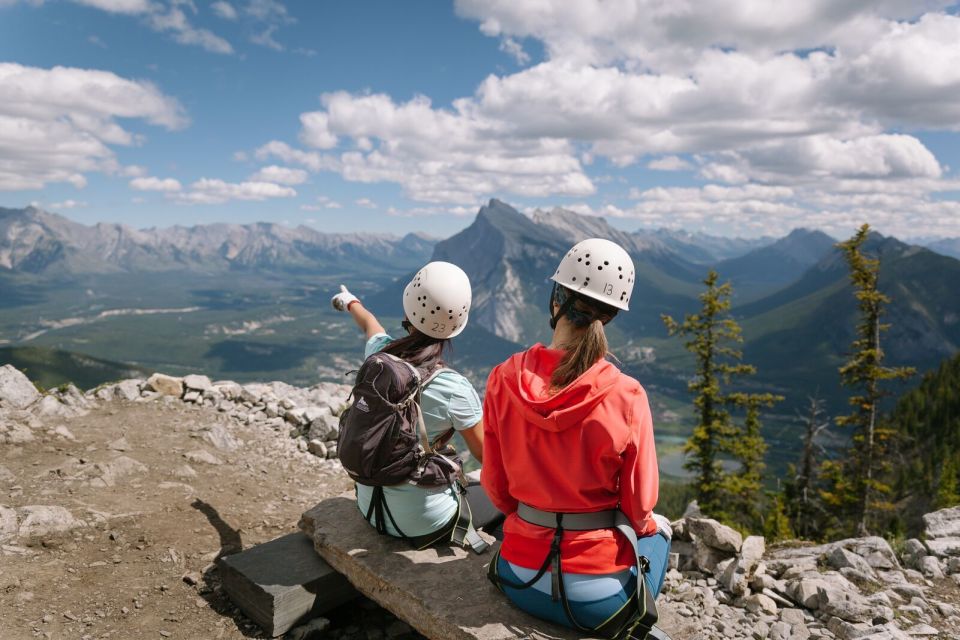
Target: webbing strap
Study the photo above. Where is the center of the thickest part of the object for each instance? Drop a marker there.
(608, 519)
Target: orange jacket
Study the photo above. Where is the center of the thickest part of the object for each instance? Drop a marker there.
(587, 448)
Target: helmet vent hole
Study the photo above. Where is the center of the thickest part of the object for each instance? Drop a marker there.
(581, 260)
(574, 278)
(606, 264)
(619, 268)
(587, 263)
(621, 276)
(422, 320)
(599, 268)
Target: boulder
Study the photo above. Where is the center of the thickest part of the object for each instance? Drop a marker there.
(759, 603)
(117, 468)
(16, 390)
(44, 521)
(750, 553)
(127, 390)
(913, 551)
(944, 523)
(930, 567)
(840, 558)
(164, 385)
(324, 427)
(943, 547)
(196, 382)
(715, 535)
(317, 448)
(706, 558)
(221, 438)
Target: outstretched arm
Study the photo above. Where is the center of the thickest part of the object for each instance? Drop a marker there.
(368, 323)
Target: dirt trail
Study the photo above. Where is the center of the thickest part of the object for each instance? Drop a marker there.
(155, 520)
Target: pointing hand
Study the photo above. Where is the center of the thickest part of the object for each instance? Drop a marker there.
(341, 301)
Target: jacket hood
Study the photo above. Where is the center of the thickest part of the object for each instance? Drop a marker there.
(527, 380)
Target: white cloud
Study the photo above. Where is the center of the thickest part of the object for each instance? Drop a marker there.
(367, 203)
(280, 175)
(323, 202)
(164, 18)
(515, 50)
(131, 7)
(669, 163)
(213, 191)
(67, 204)
(168, 185)
(224, 10)
(311, 160)
(58, 124)
(269, 11)
(173, 20)
(265, 38)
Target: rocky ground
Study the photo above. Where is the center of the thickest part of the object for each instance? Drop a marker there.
(115, 504)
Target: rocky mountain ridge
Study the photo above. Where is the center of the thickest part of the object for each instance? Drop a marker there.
(720, 585)
(34, 241)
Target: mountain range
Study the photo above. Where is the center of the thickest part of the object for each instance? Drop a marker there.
(34, 241)
(792, 294)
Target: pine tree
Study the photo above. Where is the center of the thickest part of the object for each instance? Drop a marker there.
(731, 496)
(776, 526)
(858, 490)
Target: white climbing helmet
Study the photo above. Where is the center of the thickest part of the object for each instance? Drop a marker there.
(437, 300)
(598, 269)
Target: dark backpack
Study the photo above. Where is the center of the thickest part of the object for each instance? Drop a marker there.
(383, 440)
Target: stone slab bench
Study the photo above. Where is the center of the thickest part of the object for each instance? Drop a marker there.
(279, 583)
(442, 592)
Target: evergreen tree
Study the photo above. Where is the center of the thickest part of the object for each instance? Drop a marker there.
(731, 496)
(858, 491)
(776, 526)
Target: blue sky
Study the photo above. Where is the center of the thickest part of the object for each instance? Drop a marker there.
(402, 116)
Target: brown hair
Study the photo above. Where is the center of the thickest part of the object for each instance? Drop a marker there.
(590, 345)
(419, 349)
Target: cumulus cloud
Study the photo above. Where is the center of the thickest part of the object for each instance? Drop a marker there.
(214, 191)
(150, 183)
(669, 163)
(224, 10)
(366, 203)
(58, 124)
(280, 175)
(164, 18)
(794, 109)
(515, 50)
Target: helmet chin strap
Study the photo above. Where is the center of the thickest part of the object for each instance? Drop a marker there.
(571, 300)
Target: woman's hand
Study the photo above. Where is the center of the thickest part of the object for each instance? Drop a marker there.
(341, 301)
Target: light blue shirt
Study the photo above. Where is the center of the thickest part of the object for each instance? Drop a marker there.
(448, 401)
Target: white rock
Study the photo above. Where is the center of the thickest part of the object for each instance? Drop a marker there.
(944, 523)
(119, 467)
(219, 437)
(164, 385)
(62, 432)
(201, 455)
(127, 390)
(913, 551)
(944, 547)
(8, 523)
(930, 567)
(197, 382)
(15, 433)
(317, 448)
(921, 630)
(184, 471)
(714, 534)
(840, 558)
(758, 602)
(16, 390)
(6, 475)
(41, 521)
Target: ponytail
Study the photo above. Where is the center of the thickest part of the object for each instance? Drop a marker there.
(591, 347)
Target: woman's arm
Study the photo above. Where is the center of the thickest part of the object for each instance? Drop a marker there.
(473, 436)
(639, 476)
(346, 301)
(367, 322)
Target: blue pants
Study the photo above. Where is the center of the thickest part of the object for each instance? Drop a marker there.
(588, 611)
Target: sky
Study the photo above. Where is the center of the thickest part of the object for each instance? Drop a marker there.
(733, 117)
